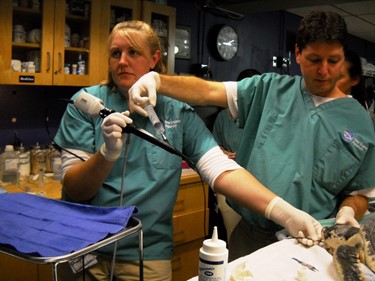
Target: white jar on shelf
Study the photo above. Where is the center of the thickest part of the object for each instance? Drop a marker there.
(19, 34)
(30, 67)
(74, 68)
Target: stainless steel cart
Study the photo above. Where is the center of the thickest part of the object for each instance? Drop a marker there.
(134, 226)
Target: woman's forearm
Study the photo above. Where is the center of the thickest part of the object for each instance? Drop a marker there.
(83, 180)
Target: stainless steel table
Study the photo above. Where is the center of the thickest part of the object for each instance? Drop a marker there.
(134, 226)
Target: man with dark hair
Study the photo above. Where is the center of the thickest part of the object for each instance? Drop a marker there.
(303, 138)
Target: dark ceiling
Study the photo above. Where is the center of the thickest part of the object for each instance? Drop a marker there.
(359, 15)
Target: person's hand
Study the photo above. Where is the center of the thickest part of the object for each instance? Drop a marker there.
(143, 92)
(299, 224)
(346, 216)
(112, 133)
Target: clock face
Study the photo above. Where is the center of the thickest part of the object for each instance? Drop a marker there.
(227, 43)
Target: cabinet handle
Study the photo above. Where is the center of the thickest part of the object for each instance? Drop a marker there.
(48, 61)
(179, 206)
(179, 236)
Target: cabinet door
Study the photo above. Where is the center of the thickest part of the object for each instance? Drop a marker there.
(163, 19)
(76, 42)
(113, 12)
(25, 35)
(37, 33)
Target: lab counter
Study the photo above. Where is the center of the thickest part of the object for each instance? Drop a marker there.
(50, 188)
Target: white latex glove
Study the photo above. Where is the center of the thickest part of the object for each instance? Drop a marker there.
(298, 223)
(346, 216)
(144, 92)
(112, 133)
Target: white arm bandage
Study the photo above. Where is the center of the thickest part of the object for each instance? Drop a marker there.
(68, 160)
(231, 89)
(368, 192)
(213, 163)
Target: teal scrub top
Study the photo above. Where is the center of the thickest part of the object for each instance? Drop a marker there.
(307, 155)
(226, 132)
(152, 175)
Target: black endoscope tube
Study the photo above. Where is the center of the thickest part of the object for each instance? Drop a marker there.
(148, 137)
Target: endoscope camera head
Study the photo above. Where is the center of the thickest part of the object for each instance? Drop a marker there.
(89, 104)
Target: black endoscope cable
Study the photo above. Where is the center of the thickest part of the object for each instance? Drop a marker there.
(54, 143)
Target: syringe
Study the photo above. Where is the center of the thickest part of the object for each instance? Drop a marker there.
(155, 121)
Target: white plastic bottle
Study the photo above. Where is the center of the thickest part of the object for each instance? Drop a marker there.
(213, 259)
(9, 166)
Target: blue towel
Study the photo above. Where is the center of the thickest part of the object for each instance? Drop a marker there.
(44, 227)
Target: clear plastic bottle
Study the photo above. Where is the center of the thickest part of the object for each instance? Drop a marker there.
(57, 168)
(52, 153)
(25, 164)
(9, 166)
(38, 157)
(213, 259)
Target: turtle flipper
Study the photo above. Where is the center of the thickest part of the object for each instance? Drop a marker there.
(347, 263)
(368, 233)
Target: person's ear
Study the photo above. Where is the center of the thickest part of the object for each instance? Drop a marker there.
(155, 59)
(355, 81)
(297, 53)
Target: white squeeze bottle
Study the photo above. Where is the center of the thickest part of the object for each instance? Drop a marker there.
(213, 259)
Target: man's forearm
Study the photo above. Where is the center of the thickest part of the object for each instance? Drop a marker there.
(193, 90)
(245, 189)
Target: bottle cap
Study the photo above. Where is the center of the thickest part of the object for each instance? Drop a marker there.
(214, 245)
(9, 147)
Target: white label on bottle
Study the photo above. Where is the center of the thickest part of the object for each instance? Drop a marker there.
(11, 164)
(211, 270)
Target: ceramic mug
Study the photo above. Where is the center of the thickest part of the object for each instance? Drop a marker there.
(16, 65)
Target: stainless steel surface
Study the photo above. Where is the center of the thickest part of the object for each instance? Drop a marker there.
(134, 226)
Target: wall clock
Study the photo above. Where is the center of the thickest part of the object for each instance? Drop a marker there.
(227, 42)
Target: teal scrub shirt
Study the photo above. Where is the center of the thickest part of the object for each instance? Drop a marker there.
(226, 132)
(305, 154)
(152, 174)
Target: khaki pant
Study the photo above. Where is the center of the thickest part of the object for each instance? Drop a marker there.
(160, 270)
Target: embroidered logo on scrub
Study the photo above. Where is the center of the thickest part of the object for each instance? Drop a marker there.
(172, 124)
(350, 138)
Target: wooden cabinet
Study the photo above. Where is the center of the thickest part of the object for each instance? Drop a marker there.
(53, 28)
(56, 35)
(190, 222)
(15, 269)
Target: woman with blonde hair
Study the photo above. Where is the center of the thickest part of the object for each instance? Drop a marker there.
(137, 173)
